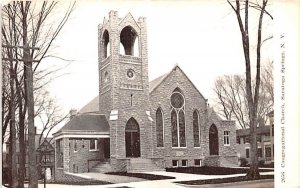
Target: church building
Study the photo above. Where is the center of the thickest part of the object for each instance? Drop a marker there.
(137, 125)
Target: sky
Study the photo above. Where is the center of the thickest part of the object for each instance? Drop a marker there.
(202, 37)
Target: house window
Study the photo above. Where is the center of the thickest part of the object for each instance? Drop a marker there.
(226, 138)
(238, 140)
(184, 163)
(259, 152)
(247, 139)
(178, 119)
(196, 129)
(267, 151)
(258, 138)
(198, 162)
(60, 154)
(94, 145)
(247, 153)
(175, 163)
(159, 128)
(75, 146)
(272, 132)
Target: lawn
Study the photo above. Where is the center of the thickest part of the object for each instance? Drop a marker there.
(212, 170)
(75, 180)
(141, 175)
(222, 180)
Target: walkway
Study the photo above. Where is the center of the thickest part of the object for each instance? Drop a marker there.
(124, 181)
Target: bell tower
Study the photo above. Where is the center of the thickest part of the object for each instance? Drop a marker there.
(124, 85)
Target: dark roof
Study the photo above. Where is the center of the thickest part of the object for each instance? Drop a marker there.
(45, 146)
(92, 106)
(156, 81)
(259, 130)
(87, 122)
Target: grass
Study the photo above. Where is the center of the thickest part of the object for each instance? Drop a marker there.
(141, 175)
(75, 180)
(212, 170)
(86, 182)
(222, 180)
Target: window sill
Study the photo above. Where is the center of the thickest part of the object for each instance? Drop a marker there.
(93, 150)
(226, 144)
(179, 147)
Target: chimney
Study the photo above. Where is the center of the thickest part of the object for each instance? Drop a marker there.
(73, 113)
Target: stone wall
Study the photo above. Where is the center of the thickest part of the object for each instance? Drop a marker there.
(160, 98)
(79, 160)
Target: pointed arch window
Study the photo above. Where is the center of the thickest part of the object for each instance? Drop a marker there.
(159, 128)
(129, 41)
(196, 129)
(178, 119)
(106, 44)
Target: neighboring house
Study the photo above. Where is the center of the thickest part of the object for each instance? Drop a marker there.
(45, 159)
(265, 141)
(44, 156)
(137, 125)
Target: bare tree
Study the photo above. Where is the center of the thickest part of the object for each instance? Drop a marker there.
(30, 32)
(49, 114)
(252, 97)
(231, 97)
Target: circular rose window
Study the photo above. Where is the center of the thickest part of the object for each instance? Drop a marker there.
(177, 100)
(130, 73)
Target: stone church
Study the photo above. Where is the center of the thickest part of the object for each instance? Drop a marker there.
(136, 125)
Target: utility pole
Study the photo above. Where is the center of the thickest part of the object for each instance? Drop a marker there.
(28, 82)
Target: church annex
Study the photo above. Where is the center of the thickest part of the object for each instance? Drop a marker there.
(136, 125)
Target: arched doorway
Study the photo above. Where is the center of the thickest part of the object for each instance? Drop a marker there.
(213, 140)
(132, 138)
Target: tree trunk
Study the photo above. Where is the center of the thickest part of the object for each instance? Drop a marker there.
(31, 128)
(13, 143)
(21, 135)
(28, 83)
(253, 172)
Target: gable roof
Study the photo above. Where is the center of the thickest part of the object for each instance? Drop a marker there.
(91, 122)
(156, 82)
(211, 112)
(45, 146)
(131, 19)
(92, 106)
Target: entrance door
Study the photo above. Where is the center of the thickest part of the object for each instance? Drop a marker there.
(132, 138)
(106, 148)
(213, 140)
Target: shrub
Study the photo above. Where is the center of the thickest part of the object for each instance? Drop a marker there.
(243, 162)
(261, 163)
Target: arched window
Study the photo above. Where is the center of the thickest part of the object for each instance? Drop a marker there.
(196, 129)
(178, 119)
(159, 128)
(106, 44)
(174, 128)
(128, 38)
(106, 79)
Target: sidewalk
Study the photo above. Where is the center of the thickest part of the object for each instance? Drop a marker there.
(124, 181)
